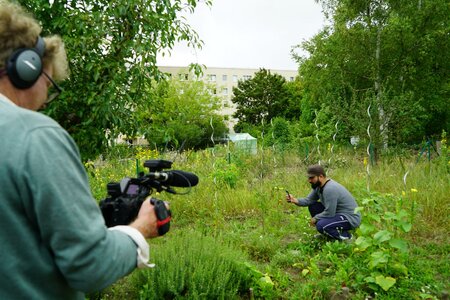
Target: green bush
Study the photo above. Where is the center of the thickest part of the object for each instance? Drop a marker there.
(193, 266)
(225, 174)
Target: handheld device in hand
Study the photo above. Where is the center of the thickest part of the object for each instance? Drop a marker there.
(288, 196)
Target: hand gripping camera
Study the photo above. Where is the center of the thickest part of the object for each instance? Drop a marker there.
(126, 197)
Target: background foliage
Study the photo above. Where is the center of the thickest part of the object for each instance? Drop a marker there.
(390, 56)
(181, 114)
(112, 48)
(264, 96)
(381, 65)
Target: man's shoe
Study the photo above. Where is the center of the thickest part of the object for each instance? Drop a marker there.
(347, 238)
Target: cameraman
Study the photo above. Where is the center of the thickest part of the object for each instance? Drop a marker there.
(334, 215)
(55, 244)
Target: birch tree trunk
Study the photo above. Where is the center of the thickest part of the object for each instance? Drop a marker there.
(384, 122)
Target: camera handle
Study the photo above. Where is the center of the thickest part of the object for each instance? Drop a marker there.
(163, 215)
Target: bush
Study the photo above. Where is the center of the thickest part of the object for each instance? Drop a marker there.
(194, 266)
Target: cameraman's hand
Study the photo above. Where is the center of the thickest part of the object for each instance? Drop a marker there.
(146, 220)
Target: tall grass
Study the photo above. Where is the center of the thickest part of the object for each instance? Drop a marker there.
(260, 186)
(239, 205)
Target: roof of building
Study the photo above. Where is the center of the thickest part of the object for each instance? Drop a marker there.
(234, 137)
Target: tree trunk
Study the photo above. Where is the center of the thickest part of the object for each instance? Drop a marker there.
(378, 92)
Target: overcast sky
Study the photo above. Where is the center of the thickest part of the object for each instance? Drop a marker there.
(249, 33)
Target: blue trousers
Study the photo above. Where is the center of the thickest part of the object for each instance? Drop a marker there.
(336, 227)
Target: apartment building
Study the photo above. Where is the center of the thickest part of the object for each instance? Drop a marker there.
(224, 79)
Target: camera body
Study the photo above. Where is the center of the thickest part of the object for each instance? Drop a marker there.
(125, 198)
(122, 205)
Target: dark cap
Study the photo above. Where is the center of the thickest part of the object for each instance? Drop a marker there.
(315, 170)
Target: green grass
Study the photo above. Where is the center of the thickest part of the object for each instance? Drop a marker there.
(234, 236)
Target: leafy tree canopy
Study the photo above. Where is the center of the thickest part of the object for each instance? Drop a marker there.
(264, 97)
(181, 114)
(389, 59)
(112, 48)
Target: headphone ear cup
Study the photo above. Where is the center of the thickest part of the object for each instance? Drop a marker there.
(24, 68)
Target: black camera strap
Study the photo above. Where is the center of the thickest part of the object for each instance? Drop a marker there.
(163, 215)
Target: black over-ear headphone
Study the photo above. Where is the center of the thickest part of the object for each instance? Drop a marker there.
(24, 66)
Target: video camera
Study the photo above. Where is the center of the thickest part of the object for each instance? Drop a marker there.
(125, 198)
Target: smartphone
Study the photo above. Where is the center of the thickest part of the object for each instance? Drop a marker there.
(287, 192)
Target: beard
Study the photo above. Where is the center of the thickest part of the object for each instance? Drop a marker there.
(315, 185)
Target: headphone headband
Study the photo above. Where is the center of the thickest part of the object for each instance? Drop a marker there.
(40, 46)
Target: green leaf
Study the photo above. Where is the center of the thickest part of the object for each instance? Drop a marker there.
(382, 236)
(399, 269)
(402, 214)
(377, 258)
(252, 269)
(359, 209)
(385, 282)
(366, 201)
(399, 244)
(363, 242)
(427, 296)
(366, 229)
(406, 226)
(266, 280)
(389, 215)
(374, 217)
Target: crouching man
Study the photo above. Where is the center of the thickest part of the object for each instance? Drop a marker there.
(331, 205)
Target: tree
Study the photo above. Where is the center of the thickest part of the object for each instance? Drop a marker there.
(390, 56)
(181, 114)
(112, 48)
(295, 92)
(279, 134)
(262, 97)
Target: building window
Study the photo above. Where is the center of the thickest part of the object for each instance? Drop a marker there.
(235, 78)
(291, 78)
(246, 77)
(225, 91)
(184, 77)
(212, 77)
(224, 77)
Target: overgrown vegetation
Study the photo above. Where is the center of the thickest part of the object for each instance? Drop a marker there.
(379, 67)
(181, 114)
(385, 57)
(112, 48)
(235, 237)
(379, 63)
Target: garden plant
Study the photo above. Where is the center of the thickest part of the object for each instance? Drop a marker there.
(233, 236)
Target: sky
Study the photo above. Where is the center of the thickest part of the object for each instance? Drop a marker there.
(248, 33)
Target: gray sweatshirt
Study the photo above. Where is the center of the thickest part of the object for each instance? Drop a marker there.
(336, 199)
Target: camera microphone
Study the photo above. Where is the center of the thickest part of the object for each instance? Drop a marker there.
(175, 178)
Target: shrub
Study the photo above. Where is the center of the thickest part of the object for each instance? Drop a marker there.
(194, 266)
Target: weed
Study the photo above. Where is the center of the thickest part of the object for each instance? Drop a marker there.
(234, 231)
